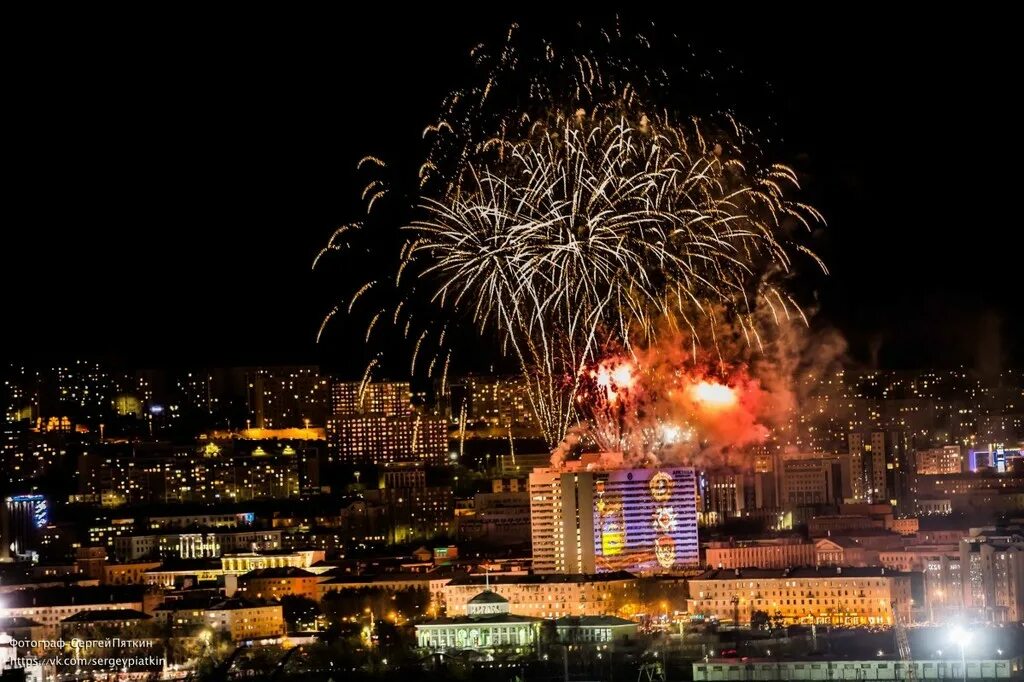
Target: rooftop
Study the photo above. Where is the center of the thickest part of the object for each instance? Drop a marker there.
(592, 621)
(497, 618)
(71, 596)
(278, 572)
(488, 597)
(545, 579)
(106, 615)
(805, 572)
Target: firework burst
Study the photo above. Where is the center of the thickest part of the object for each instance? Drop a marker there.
(597, 229)
(564, 210)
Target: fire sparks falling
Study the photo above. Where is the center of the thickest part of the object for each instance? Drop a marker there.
(564, 208)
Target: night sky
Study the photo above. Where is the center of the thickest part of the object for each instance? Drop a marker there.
(171, 186)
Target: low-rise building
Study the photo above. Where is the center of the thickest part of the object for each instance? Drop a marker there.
(84, 623)
(776, 553)
(196, 544)
(182, 572)
(51, 605)
(128, 573)
(238, 564)
(242, 619)
(245, 619)
(433, 582)
(600, 630)
(550, 595)
(882, 668)
(486, 625)
(274, 583)
(837, 596)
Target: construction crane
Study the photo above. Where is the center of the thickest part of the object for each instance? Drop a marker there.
(903, 644)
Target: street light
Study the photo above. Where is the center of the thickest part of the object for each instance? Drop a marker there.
(961, 637)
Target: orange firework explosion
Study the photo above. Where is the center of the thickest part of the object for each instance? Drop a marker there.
(714, 395)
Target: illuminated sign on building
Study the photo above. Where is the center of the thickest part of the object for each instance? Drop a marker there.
(645, 520)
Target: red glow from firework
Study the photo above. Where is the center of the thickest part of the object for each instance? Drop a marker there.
(613, 379)
(662, 405)
(711, 394)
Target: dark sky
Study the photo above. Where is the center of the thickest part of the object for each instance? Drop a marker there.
(172, 184)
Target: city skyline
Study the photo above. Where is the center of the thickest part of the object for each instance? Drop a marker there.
(512, 344)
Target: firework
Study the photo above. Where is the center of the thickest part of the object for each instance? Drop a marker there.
(566, 209)
(599, 229)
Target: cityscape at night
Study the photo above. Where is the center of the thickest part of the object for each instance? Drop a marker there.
(511, 347)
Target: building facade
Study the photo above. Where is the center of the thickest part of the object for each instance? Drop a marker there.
(591, 520)
(487, 625)
(549, 596)
(838, 596)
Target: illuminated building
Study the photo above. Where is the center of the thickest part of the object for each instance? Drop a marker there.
(274, 583)
(497, 402)
(594, 520)
(432, 583)
(241, 619)
(601, 631)
(999, 661)
(386, 398)
(720, 496)
(417, 513)
(24, 518)
(859, 517)
(997, 457)
(379, 426)
(986, 491)
(992, 575)
(549, 596)
(283, 397)
(204, 520)
(156, 473)
(50, 605)
(809, 479)
(761, 553)
(879, 467)
(937, 461)
(129, 573)
(398, 475)
(245, 562)
(91, 561)
(196, 544)
(488, 624)
(26, 453)
(788, 553)
(940, 565)
(840, 596)
(379, 439)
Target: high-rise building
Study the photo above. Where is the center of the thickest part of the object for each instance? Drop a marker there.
(879, 466)
(385, 398)
(377, 439)
(936, 461)
(590, 519)
(813, 479)
(24, 517)
(287, 397)
(375, 423)
(500, 402)
(413, 510)
(992, 576)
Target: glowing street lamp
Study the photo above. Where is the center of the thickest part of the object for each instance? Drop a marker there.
(961, 637)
